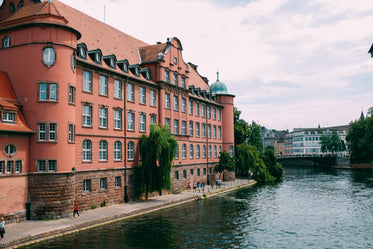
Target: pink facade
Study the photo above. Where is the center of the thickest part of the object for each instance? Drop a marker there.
(88, 99)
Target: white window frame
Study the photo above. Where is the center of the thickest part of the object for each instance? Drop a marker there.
(117, 119)
(183, 104)
(103, 117)
(167, 98)
(142, 95)
(103, 183)
(131, 121)
(103, 150)
(103, 85)
(87, 81)
(198, 151)
(117, 151)
(190, 107)
(191, 128)
(131, 151)
(191, 151)
(176, 103)
(176, 126)
(87, 116)
(87, 185)
(142, 122)
(183, 127)
(117, 89)
(183, 151)
(130, 92)
(153, 98)
(167, 76)
(87, 150)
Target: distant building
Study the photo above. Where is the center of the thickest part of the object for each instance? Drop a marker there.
(306, 141)
(76, 94)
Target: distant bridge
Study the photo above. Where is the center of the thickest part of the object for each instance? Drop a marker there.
(308, 160)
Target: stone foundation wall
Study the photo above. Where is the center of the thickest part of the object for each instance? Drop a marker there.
(97, 197)
(51, 195)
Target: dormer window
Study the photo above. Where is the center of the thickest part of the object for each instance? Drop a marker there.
(110, 60)
(135, 70)
(9, 117)
(146, 73)
(82, 51)
(123, 65)
(96, 55)
(191, 89)
(97, 58)
(6, 42)
(49, 56)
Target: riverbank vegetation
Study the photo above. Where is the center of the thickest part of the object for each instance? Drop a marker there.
(251, 157)
(360, 138)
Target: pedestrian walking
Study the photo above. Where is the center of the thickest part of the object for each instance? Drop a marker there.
(203, 187)
(76, 210)
(199, 187)
(194, 187)
(2, 228)
(212, 185)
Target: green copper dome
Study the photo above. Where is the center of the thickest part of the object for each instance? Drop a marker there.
(218, 87)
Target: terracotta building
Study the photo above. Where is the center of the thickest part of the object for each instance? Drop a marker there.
(76, 94)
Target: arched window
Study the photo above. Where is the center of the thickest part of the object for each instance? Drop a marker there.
(87, 150)
(183, 151)
(231, 150)
(131, 151)
(198, 152)
(103, 151)
(117, 150)
(191, 152)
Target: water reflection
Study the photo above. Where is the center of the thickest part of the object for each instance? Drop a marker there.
(310, 208)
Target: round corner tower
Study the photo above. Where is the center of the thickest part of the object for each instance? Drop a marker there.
(219, 89)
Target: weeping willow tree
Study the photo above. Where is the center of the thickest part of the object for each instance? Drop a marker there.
(157, 152)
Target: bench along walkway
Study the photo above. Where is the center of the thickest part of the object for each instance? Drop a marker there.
(31, 231)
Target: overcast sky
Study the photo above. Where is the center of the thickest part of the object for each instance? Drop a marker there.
(290, 63)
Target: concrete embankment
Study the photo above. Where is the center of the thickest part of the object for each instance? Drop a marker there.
(32, 231)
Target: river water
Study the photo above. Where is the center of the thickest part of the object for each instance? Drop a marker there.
(310, 208)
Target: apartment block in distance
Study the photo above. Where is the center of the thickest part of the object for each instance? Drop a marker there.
(75, 96)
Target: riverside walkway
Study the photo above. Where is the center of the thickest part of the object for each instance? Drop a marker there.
(31, 231)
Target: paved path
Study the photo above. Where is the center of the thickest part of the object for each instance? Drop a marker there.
(34, 230)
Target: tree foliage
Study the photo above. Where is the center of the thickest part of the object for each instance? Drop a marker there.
(255, 138)
(157, 152)
(226, 162)
(250, 157)
(332, 143)
(241, 128)
(360, 138)
(269, 158)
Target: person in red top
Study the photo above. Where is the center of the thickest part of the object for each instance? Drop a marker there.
(76, 210)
